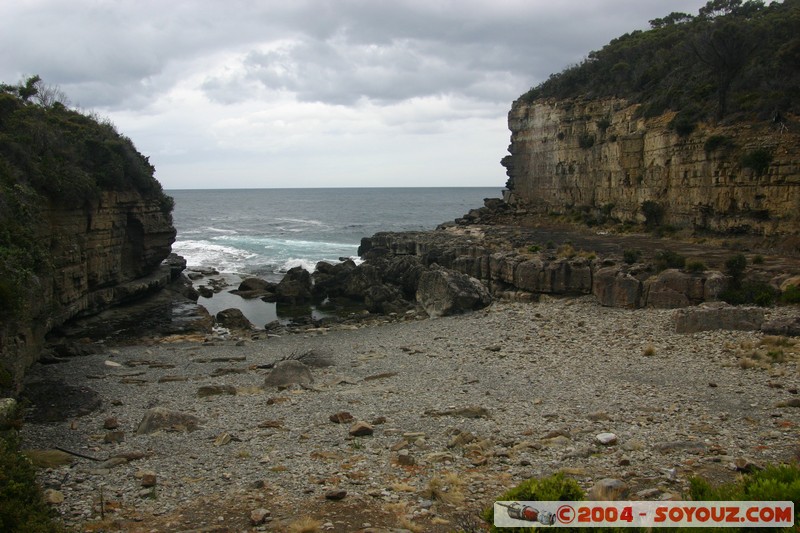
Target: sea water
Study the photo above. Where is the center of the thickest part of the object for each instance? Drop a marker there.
(265, 232)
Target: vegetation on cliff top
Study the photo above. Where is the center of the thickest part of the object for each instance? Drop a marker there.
(53, 155)
(733, 59)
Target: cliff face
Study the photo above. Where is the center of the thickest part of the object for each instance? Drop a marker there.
(102, 254)
(598, 157)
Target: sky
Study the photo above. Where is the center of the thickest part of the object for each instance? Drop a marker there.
(311, 93)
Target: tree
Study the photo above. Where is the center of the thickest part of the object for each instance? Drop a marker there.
(30, 88)
(725, 48)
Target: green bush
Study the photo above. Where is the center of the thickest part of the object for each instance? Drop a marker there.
(774, 483)
(669, 259)
(631, 256)
(791, 295)
(716, 142)
(653, 213)
(748, 293)
(735, 267)
(585, 140)
(22, 507)
(757, 160)
(552, 488)
(695, 267)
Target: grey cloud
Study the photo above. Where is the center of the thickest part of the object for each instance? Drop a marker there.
(123, 54)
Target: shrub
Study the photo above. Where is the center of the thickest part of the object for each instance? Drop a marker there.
(603, 124)
(631, 256)
(716, 142)
(774, 483)
(552, 488)
(758, 259)
(695, 267)
(533, 248)
(752, 292)
(758, 160)
(585, 140)
(735, 267)
(668, 259)
(791, 295)
(22, 507)
(653, 213)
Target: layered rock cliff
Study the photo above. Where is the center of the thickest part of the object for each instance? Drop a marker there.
(84, 224)
(599, 158)
(105, 253)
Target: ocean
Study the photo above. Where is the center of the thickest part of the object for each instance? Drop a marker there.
(265, 232)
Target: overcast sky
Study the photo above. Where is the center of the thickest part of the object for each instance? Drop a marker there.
(311, 93)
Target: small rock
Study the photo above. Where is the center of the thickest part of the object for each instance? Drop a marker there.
(361, 429)
(111, 423)
(258, 516)
(608, 489)
(342, 417)
(148, 479)
(53, 497)
(648, 493)
(404, 458)
(112, 462)
(223, 439)
(379, 420)
(743, 464)
(336, 494)
(606, 439)
(113, 437)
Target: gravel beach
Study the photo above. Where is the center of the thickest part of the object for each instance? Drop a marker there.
(455, 410)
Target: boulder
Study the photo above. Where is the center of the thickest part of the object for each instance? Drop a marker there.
(255, 288)
(161, 418)
(287, 373)
(295, 287)
(443, 292)
(615, 287)
(786, 326)
(674, 288)
(233, 319)
(718, 315)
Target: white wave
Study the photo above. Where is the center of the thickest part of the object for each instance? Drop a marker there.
(310, 222)
(307, 264)
(205, 254)
(220, 230)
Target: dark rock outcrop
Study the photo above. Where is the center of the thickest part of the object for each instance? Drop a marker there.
(295, 287)
(233, 319)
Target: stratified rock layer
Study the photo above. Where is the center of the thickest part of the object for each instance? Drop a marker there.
(598, 157)
(104, 253)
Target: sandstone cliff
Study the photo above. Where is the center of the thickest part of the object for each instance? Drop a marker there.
(599, 158)
(107, 252)
(84, 224)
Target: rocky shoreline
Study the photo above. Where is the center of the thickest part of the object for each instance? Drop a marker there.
(455, 411)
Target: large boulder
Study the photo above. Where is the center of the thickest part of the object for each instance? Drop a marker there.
(295, 287)
(615, 287)
(330, 280)
(786, 326)
(443, 292)
(674, 288)
(718, 315)
(233, 319)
